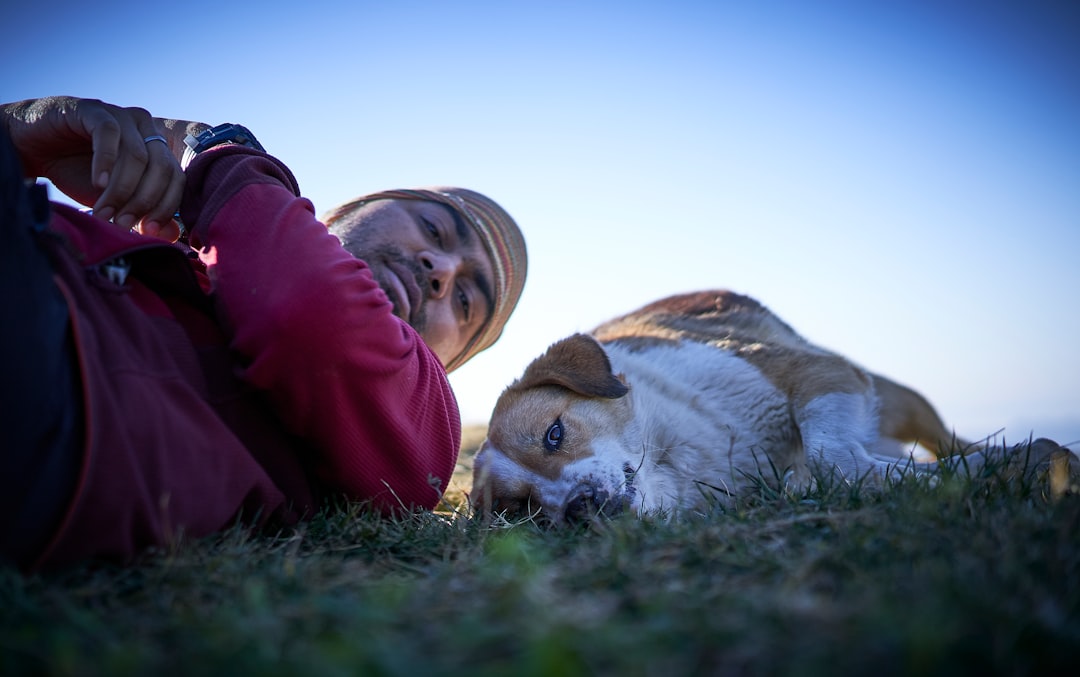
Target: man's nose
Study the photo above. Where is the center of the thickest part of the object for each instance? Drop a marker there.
(440, 269)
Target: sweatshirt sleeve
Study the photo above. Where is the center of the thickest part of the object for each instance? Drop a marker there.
(317, 335)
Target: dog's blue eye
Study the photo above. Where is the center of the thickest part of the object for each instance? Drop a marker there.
(553, 438)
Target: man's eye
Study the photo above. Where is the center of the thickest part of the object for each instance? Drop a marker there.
(432, 230)
(463, 298)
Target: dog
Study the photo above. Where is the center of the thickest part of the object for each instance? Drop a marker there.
(689, 401)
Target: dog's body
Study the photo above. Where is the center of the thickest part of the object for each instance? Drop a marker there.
(689, 400)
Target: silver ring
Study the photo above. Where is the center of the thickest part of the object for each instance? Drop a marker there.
(156, 137)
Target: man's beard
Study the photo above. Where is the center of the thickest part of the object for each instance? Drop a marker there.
(377, 259)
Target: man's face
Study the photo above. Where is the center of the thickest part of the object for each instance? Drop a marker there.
(432, 266)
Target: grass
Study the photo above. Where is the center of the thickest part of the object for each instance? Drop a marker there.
(972, 576)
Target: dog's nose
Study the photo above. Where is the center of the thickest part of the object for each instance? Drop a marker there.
(588, 502)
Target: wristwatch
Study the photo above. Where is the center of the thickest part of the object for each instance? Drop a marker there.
(229, 132)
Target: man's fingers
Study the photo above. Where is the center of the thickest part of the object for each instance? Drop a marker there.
(101, 155)
(130, 162)
(158, 218)
(106, 135)
(160, 189)
(169, 231)
(146, 182)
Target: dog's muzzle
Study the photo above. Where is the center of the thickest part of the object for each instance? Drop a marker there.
(588, 501)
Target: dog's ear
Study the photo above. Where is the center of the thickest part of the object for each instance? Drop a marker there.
(577, 363)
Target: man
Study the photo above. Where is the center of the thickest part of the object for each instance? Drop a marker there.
(151, 391)
(464, 252)
(455, 278)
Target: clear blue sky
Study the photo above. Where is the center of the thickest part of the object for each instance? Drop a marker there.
(900, 181)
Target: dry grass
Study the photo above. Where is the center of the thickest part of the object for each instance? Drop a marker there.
(456, 495)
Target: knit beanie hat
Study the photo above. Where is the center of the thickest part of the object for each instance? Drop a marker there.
(502, 239)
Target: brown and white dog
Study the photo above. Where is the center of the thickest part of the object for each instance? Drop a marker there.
(689, 400)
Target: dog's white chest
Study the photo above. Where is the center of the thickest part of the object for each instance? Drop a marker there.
(702, 413)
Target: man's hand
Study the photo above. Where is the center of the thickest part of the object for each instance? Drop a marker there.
(97, 154)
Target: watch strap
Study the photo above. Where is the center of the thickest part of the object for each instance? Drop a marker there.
(228, 132)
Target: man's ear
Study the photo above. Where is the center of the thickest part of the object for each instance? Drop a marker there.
(577, 363)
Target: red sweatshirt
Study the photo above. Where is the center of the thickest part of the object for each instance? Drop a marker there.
(245, 384)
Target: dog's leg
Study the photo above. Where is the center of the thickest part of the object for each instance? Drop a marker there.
(906, 416)
(838, 430)
(1037, 459)
(841, 432)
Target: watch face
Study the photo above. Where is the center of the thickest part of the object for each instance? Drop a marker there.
(225, 133)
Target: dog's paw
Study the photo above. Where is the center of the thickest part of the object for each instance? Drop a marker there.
(1045, 460)
(799, 481)
(1058, 464)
